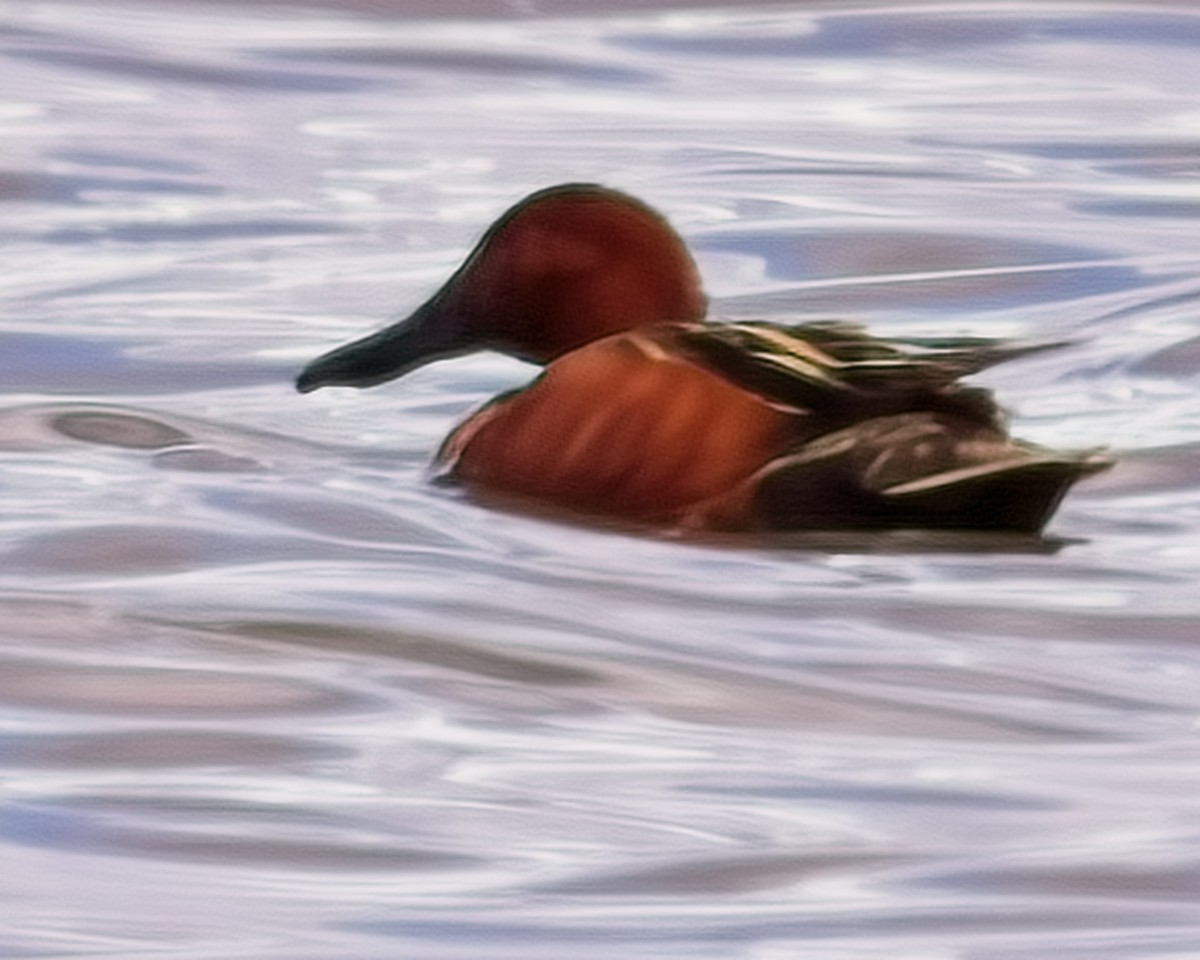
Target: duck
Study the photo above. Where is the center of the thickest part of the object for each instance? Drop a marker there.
(647, 413)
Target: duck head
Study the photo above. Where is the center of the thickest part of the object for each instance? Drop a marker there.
(566, 266)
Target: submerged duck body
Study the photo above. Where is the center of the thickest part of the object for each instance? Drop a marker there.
(646, 414)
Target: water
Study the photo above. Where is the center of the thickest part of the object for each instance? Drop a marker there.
(266, 693)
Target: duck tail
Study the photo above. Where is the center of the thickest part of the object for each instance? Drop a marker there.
(917, 470)
(1017, 495)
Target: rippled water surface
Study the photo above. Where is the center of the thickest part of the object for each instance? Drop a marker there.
(267, 693)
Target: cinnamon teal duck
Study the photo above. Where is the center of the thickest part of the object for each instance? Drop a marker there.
(646, 414)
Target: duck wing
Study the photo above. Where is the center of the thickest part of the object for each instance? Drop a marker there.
(885, 434)
(834, 374)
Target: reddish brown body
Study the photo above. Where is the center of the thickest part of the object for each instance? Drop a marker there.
(620, 428)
